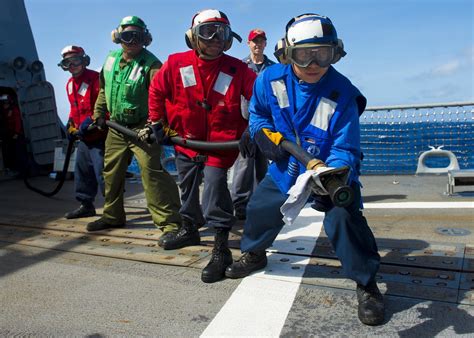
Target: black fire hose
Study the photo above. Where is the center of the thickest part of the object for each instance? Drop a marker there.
(341, 194)
(70, 146)
(193, 144)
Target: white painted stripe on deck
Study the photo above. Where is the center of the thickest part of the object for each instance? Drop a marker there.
(260, 304)
(420, 205)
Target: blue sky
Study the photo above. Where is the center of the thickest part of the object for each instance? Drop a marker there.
(398, 52)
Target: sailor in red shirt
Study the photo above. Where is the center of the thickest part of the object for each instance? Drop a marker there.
(82, 90)
(197, 95)
(12, 137)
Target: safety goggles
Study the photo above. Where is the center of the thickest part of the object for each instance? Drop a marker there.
(73, 61)
(213, 30)
(132, 37)
(303, 56)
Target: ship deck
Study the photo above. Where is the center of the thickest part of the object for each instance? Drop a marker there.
(57, 279)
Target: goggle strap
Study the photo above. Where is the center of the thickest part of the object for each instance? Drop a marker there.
(236, 36)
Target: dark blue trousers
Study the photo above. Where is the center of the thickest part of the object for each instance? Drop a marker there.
(346, 228)
(248, 172)
(216, 208)
(88, 177)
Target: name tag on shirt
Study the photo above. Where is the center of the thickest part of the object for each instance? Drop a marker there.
(222, 83)
(83, 89)
(324, 111)
(135, 73)
(279, 90)
(187, 76)
(109, 63)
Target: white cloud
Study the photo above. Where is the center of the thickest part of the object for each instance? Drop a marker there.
(462, 62)
(446, 69)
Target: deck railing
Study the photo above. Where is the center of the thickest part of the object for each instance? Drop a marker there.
(393, 137)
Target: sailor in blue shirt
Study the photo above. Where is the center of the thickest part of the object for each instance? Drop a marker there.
(308, 102)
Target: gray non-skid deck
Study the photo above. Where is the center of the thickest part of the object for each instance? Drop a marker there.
(52, 264)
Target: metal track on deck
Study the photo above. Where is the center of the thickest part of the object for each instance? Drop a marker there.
(441, 272)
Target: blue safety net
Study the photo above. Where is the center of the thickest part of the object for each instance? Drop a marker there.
(392, 140)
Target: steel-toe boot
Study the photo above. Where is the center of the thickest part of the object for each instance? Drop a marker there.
(221, 258)
(247, 263)
(100, 224)
(371, 307)
(186, 235)
(84, 210)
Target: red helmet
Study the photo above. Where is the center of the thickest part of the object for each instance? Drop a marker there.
(73, 49)
(81, 57)
(209, 16)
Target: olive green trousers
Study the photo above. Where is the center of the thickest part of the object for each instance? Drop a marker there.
(161, 191)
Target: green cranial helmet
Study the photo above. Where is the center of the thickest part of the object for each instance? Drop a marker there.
(118, 36)
(133, 21)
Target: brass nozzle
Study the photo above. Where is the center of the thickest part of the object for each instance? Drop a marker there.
(314, 164)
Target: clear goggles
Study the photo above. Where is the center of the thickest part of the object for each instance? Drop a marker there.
(303, 56)
(73, 61)
(213, 30)
(130, 37)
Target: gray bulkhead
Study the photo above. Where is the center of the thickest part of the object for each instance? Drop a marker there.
(22, 71)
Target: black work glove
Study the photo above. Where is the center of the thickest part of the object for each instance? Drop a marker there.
(163, 133)
(100, 123)
(246, 145)
(269, 144)
(321, 203)
(86, 126)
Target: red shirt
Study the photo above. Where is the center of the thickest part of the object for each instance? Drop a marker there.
(183, 88)
(82, 92)
(13, 121)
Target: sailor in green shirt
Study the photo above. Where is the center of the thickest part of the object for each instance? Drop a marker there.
(124, 82)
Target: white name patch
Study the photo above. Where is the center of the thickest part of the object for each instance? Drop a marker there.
(136, 72)
(222, 83)
(187, 76)
(324, 112)
(83, 89)
(279, 90)
(109, 63)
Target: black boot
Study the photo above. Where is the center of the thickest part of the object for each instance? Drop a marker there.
(186, 235)
(100, 224)
(220, 260)
(84, 210)
(371, 307)
(247, 263)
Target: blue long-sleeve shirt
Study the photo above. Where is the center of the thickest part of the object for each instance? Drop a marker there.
(322, 117)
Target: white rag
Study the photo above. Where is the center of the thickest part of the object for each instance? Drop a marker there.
(300, 192)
